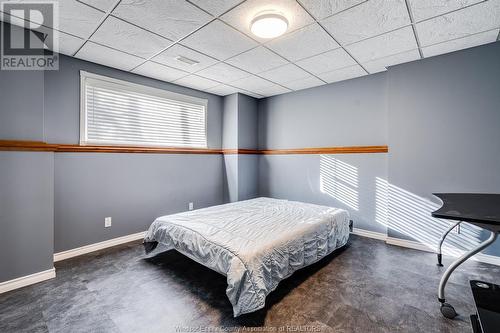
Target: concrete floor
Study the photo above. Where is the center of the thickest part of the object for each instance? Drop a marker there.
(368, 287)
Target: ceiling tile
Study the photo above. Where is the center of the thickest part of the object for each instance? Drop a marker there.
(251, 83)
(259, 86)
(303, 43)
(223, 90)
(171, 19)
(108, 57)
(168, 57)
(160, 72)
(285, 74)
(257, 60)
(223, 73)
(424, 9)
(77, 19)
(369, 19)
(380, 65)
(217, 7)
(241, 16)
(69, 44)
(478, 18)
(461, 43)
(103, 5)
(324, 8)
(10, 17)
(326, 62)
(196, 82)
(272, 91)
(308, 82)
(343, 74)
(384, 45)
(219, 40)
(126, 37)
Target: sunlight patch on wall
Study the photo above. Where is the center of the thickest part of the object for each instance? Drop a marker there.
(410, 215)
(339, 180)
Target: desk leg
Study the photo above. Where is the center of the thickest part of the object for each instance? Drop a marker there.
(446, 309)
(439, 255)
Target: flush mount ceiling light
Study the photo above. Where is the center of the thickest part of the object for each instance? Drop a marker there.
(269, 25)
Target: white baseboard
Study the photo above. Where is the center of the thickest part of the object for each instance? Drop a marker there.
(369, 234)
(97, 246)
(408, 244)
(24, 281)
(489, 259)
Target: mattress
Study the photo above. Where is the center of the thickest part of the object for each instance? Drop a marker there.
(255, 243)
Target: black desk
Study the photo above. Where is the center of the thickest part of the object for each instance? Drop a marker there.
(482, 210)
(487, 299)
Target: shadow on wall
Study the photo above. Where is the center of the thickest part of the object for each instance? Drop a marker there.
(395, 208)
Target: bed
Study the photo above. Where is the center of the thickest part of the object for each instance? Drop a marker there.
(255, 243)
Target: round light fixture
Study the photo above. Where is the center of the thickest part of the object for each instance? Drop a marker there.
(269, 25)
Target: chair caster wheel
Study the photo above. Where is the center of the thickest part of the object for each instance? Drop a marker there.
(448, 311)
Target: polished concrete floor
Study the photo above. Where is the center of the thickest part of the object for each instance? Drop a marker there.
(367, 287)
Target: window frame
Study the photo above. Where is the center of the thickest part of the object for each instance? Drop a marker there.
(136, 88)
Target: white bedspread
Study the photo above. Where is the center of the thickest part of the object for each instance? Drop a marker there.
(255, 243)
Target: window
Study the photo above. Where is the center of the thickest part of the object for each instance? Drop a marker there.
(115, 112)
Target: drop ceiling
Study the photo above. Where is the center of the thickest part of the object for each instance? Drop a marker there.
(327, 40)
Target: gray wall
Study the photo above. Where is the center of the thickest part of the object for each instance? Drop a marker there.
(353, 182)
(248, 165)
(440, 118)
(444, 136)
(21, 101)
(230, 141)
(26, 179)
(240, 121)
(133, 189)
(230, 122)
(26, 213)
(248, 176)
(65, 197)
(247, 122)
(348, 113)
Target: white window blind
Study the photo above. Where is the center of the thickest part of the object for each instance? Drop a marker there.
(115, 112)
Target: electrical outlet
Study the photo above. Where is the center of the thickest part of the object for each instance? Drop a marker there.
(107, 222)
(191, 206)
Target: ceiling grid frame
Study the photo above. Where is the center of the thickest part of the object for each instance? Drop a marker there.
(104, 18)
(341, 45)
(414, 28)
(109, 13)
(452, 11)
(264, 44)
(259, 43)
